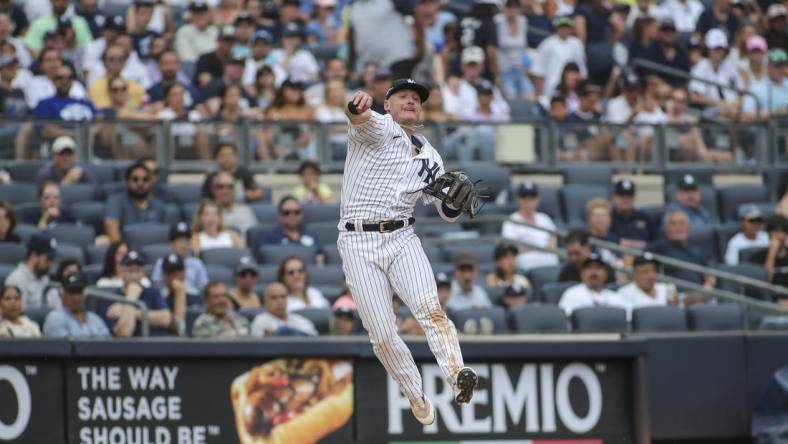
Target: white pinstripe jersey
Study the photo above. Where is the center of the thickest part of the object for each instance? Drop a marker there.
(382, 178)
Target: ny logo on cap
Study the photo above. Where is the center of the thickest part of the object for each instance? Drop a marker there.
(53, 243)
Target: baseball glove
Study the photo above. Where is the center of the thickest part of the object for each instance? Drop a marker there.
(456, 190)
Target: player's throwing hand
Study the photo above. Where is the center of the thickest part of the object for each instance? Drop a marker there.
(359, 103)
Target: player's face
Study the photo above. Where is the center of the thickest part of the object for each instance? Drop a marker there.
(404, 107)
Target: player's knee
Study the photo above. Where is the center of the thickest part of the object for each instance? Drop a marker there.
(431, 311)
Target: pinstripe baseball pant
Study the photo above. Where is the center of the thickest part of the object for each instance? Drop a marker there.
(376, 266)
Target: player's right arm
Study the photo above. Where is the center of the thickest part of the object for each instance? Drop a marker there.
(362, 103)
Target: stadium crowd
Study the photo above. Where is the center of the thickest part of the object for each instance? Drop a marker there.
(212, 63)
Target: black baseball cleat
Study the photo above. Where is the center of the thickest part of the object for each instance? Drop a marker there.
(466, 382)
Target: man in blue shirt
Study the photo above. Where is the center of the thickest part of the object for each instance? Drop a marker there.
(63, 107)
(289, 231)
(72, 319)
(180, 244)
(666, 51)
(135, 205)
(688, 201)
(772, 92)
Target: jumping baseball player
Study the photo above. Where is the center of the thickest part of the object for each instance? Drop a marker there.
(388, 168)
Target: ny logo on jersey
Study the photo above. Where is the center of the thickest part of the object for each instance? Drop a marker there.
(430, 170)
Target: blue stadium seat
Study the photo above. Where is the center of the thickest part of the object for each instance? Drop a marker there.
(320, 317)
(465, 320)
(79, 192)
(81, 235)
(585, 174)
(28, 212)
(192, 313)
(274, 254)
(772, 176)
(552, 291)
(90, 214)
(326, 232)
(599, 320)
(540, 276)
(704, 241)
(94, 254)
(174, 215)
(37, 314)
(754, 271)
(108, 189)
(5, 270)
(154, 252)
(12, 253)
(256, 233)
(221, 273)
(731, 197)
(102, 173)
(747, 255)
(433, 251)
(575, 198)
(139, 235)
(325, 275)
(724, 234)
(320, 213)
(69, 251)
(189, 210)
(228, 257)
(16, 193)
(331, 292)
(708, 317)
(332, 254)
(495, 293)
(250, 313)
(539, 319)
(482, 250)
(24, 231)
(265, 212)
(437, 230)
(24, 170)
(708, 199)
(92, 273)
(267, 273)
(183, 193)
(550, 203)
(658, 319)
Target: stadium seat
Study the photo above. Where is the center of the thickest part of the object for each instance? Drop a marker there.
(102, 173)
(585, 174)
(433, 251)
(174, 215)
(111, 188)
(703, 175)
(256, 233)
(326, 232)
(724, 234)
(552, 291)
(5, 270)
(17, 193)
(228, 257)
(268, 273)
(94, 254)
(495, 179)
(655, 212)
(575, 198)
(12, 252)
(524, 110)
(221, 273)
(495, 293)
(250, 313)
(437, 230)
(188, 210)
(754, 271)
(325, 275)
(78, 193)
(748, 255)
(320, 213)
(154, 252)
(28, 212)
(69, 251)
(772, 178)
(599, 320)
(89, 213)
(139, 235)
(331, 292)
(473, 320)
(265, 212)
(708, 199)
(25, 170)
(658, 319)
(81, 235)
(320, 317)
(482, 250)
(550, 203)
(92, 273)
(183, 193)
(732, 197)
(332, 254)
(539, 319)
(24, 231)
(37, 314)
(192, 313)
(709, 317)
(540, 276)
(274, 254)
(704, 241)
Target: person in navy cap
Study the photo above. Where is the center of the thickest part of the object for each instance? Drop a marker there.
(73, 319)
(180, 244)
(688, 200)
(32, 275)
(632, 226)
(174, 289)
(751, 233)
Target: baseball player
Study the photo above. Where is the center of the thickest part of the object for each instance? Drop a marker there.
(387, 169)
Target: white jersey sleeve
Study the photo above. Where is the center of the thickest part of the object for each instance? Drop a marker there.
(373, 133)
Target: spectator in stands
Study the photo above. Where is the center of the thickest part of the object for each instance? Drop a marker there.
(577, 246)
(752, 66)
(644, 290)
(290, 230)
(32, 275)
(236, 216)
(244, 294)
(209, 230)
(262, 45)
(34, 38)
(750, 235)
(245, 187)
(775, 257)
(214, 93)
(210, 65)
(295, 141)
(624, 107)
(688, 200)
(114, 59)
(554, 53)
(684, 137)
(46, 84)
(174, 291)
(775, 33)
(334, 70)
(136, 205)
(330, 110)
(381, 33)
(593, 142)
(772, 93)
(110, 272)
(311, 190)
(505, 273)
(13, 324)
(65, 268)
(293, 274)
(264, 87)
(110, 30)
(73, 319)
(52, 210)
(180, 244)
(299, 64)
(717, 69)
(677, 230)
(665, 51)
(63, 168)
(599, 217)
(8, 223)
(344, 321)
(472, 67)
(513, 296)
(219, 319)
(683, 13)
(591, 291)
(513, 62)
(197, 37)
(122, 318)
(10, 28)
(465, 293)
(278, 318)
(718, 15)
(527, 204)
(168, 72)
(633, 227)
(62, 106)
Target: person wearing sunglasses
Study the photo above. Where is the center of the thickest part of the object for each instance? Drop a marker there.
(52, 210)
(236, 215)
(292, 273)
(751, 233)
(134, 205)
(290, 230)
(63, 106)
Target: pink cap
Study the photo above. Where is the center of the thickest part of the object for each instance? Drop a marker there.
(756, 42)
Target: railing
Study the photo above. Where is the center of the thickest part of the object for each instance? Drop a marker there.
(535, 144)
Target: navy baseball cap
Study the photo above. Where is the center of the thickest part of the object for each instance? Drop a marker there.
(593, 258)
(624, 187)
(43, 243)
(246, 264)
(528, 189)
(74, 281)
(411, 84)
(263, 35)
(181, 229)
(198, 5)
(293, 29)
(504, 248)
(115, 23)
(688, 182)
(514, 290)
(645, 258)
(172, 262)
(133, 257)
(442, 279)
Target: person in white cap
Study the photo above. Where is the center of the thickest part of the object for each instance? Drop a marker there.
(472, 66)
(715, 68)
(553, 54)
(750, 235)
(63, 168)
(776, 35)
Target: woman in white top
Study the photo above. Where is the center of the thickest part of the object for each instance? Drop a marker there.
(292, 273)
(12, 323)
(332, 112)
(208, 230)
(527, 204)
(512, 59)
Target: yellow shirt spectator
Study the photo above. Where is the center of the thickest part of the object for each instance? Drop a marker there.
(99, 93)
